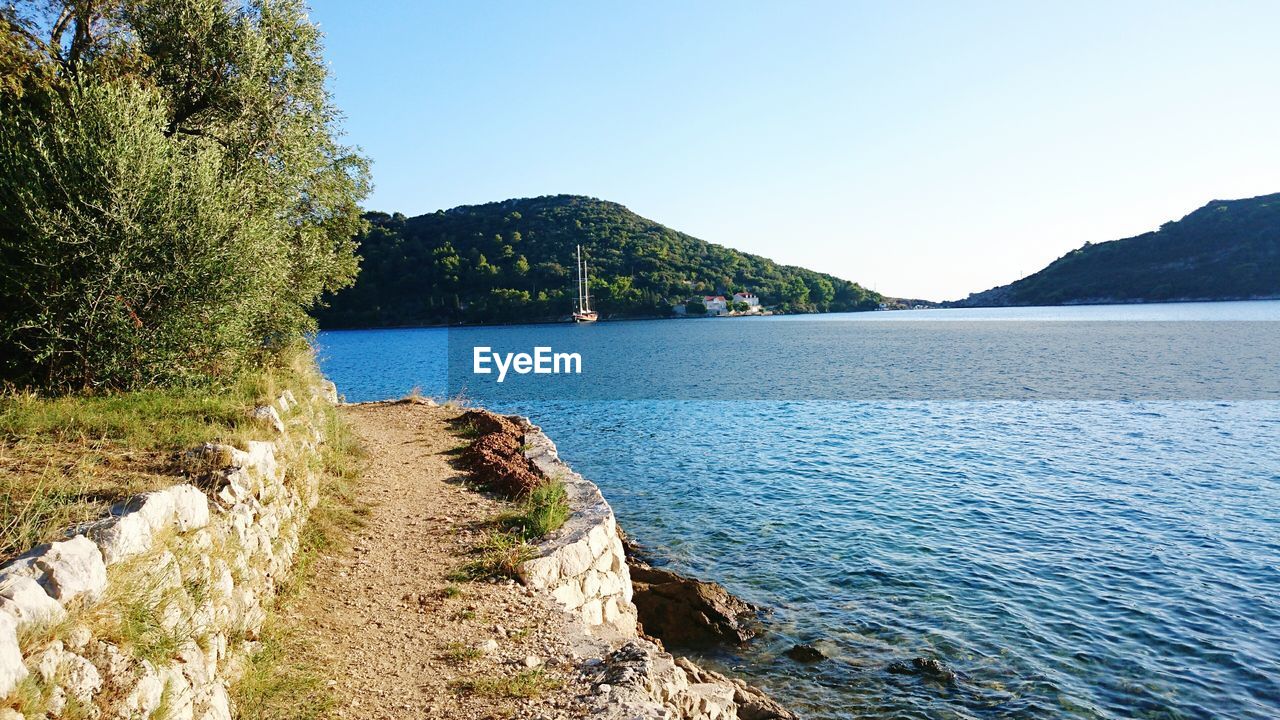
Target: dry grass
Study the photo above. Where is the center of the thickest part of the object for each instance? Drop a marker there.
(279, 684)
(526, 684)
(283, 679)
(66, 459)
(500, 554)
(459, 653)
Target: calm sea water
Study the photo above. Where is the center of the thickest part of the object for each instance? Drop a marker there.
(1068, 558)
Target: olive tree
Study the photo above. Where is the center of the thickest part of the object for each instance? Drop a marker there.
(174, 195)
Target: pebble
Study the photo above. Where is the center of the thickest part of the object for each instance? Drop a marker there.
(532, 661)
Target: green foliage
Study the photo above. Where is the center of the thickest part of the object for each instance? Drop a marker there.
(513, 261)
(695, 307)
(1225, 250)
(173, 198)
(542, 511)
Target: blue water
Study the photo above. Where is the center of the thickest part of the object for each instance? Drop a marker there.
(1067, 558)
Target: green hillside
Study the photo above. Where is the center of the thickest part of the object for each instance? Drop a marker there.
(513, 261)
(1226, 250)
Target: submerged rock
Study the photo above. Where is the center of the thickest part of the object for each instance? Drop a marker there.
(684, 611)
(805, 653)
(928, 668)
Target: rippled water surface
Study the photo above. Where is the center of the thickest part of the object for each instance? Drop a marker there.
(1068, 559)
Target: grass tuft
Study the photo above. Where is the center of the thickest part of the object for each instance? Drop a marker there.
(501, 555)
(277, 685)
(526, 684)
(542, 511)
(458, 653)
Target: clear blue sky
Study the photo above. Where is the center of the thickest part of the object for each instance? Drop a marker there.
(923, 149)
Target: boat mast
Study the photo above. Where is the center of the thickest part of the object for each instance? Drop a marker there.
(586, 288)
(578, 267)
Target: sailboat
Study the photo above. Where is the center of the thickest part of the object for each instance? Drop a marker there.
(584, 313)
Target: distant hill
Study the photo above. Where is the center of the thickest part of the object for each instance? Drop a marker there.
(1226, 250)
(513, 261)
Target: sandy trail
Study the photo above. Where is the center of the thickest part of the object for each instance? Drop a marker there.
(380, 614)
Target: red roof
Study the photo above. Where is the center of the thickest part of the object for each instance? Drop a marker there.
(709, 298)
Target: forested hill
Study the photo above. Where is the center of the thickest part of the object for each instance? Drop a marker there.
(1226, 250)
(513, 261)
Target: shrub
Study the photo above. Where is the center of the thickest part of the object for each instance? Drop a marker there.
(172, 195)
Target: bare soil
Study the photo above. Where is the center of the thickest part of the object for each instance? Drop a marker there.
(399, 636)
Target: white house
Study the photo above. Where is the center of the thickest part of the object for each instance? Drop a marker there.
(752, 302)
(716, 304)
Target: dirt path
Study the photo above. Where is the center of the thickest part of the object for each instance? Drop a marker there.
(401, 639)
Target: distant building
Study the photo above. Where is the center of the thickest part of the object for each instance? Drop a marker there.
(752, 302)
(716, 304)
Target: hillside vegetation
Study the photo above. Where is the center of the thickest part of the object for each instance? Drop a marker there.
(1226, 250)
(513, 261)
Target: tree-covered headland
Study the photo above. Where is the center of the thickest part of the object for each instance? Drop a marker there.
(513, 261)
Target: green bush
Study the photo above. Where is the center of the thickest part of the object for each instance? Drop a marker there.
(173, 199)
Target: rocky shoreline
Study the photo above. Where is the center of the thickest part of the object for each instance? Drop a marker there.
(629, 609)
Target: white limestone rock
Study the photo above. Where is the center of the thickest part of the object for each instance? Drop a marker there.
(591, 584)
(181, 698)
(598, 540)
(27, 602)
(593, 612)
(610, 584)
(12, 669)
(569, 594)
(575, 559)
(71, 569)
(122, 537)
(268, 416)
(78, 638)
(329, 391)
(190, 507)
(80, 678)
(540, 573)
(145, 696)
(238, 485)
(214, 456)
(218, 705)
(261, 456)
(156, 507)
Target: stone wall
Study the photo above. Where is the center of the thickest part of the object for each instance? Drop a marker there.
(582, 564)
(584, 567)
(151, 610)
